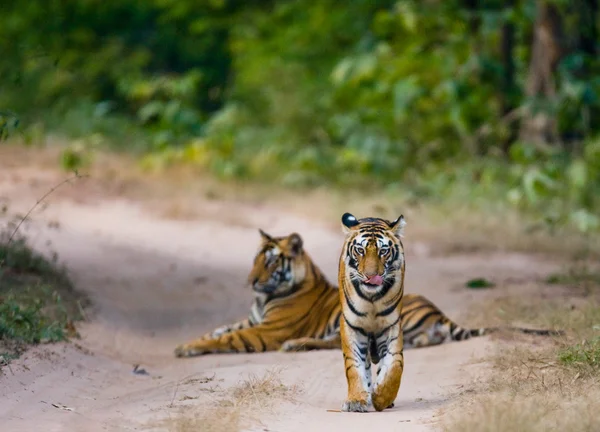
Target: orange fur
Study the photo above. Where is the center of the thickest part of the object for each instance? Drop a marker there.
(371, 287)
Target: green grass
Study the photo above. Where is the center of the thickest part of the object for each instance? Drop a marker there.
(583, 356)
(37, 301)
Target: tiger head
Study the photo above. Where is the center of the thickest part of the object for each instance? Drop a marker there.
(373, 252)
(279, 265)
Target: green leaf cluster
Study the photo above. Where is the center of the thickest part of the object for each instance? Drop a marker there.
(428, 96)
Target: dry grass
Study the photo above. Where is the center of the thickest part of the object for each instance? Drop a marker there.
(551, 411)
(546, 384)
(241, 405)
(261, 391)
(213, 419)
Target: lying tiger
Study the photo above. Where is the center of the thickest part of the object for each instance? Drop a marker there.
(295, 308)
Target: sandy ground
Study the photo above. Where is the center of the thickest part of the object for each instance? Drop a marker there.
(156, 282)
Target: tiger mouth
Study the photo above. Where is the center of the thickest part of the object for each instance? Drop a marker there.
(372, 286)
(373, 281)
(265, 289)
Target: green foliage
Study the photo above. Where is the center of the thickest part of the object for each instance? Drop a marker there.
(583, 356)
(20, 258)
(422, 96)
(479, 283)
(561, 187)
(8, 123)
(27, 322)
(37, 301)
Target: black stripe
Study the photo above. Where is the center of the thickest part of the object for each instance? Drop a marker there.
(336, 323)
(352, 307)
(362, 351)
(356, 329)
(390, 309)
(358, 290)
(387, 286)
(247, 346)
(420, 322)
(382, 332)
(263, 345)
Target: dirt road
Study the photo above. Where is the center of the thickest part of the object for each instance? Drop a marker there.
(156, 282)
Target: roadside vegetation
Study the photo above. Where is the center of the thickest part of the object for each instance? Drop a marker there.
(38, 303)
(539, 384)
(441, 102)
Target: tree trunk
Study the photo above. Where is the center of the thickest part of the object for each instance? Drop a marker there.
(507, 99)
(588, 29)
(546, 53)
(472, 6)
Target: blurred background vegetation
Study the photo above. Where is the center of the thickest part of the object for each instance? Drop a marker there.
(490, 101)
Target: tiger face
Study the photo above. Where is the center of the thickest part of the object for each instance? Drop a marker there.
(278, 265)
(373, 252)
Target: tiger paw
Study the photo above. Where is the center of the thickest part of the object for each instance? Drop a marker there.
(186, 351)
(289, 346)
(355, 406)
(380, 403)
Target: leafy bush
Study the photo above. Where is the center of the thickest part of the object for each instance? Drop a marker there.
(423, 96)
(28, 323)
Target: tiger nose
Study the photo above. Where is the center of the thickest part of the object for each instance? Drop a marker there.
(371, 273)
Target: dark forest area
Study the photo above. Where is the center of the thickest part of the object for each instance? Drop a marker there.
(494, 100)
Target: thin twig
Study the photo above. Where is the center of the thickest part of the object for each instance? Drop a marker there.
(82, 311)
(38, 202)
(174, 394)
(254, 393)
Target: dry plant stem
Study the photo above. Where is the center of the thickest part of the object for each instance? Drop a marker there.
(39, 201)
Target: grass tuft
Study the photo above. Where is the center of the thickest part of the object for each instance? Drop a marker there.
(214, 419)
(257, 390)
(584, 356)
(237, 406)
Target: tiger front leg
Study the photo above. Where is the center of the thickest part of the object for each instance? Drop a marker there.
(391, 367)
(308, 344)
(219, 331)
(357, 365)
(254, 339)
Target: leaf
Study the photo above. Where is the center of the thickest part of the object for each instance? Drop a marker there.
(577, 173)
(585, 221)
(342, 71)
(150, 110)
(479, 283)
(405, 91)
(407, 15)
(537, 184)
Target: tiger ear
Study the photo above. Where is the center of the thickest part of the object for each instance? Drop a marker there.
(295, 242)
(398, 226)
(265, 236)
(348, 222)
